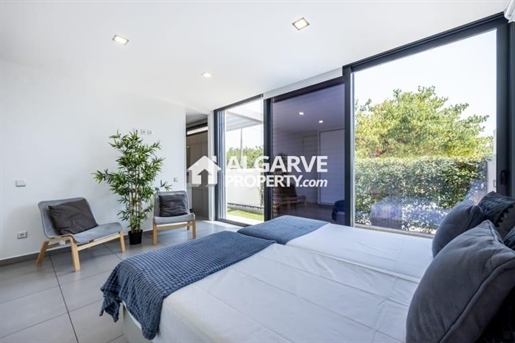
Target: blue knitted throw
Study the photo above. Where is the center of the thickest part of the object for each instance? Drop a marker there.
(283, 229)
(144, 281)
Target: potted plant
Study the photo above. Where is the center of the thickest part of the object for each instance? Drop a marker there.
(133, 181)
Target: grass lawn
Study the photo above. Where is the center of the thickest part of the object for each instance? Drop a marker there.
(245, 214)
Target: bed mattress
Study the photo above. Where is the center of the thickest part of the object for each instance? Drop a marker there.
(288, 294)
(399, 253)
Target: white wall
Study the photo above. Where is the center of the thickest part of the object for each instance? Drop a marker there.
(54, 135)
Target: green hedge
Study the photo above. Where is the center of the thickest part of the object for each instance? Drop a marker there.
(445, 180)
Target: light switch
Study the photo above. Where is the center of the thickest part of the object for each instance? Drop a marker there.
(175, 179)
(20, 183)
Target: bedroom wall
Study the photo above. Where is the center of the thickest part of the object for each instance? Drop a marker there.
(54, 135)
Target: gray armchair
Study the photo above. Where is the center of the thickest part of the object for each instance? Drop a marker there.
(79, 241)
(185, 219)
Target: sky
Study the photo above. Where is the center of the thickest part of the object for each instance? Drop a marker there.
(463, 71)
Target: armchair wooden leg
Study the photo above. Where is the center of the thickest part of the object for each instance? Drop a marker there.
(122, 241)
(194, 229)
(75, 255)
(154, 234)
(42, 252)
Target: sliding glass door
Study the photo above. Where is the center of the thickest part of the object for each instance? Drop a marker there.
(425, 134)
(240, 192)
(307, 134)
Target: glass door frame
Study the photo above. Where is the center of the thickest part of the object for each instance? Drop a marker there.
(505, 108)
(219, 144)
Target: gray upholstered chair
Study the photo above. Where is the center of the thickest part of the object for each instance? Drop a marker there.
(80, 241)
(172, 222)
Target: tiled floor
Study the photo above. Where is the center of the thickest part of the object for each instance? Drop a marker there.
(52, 303)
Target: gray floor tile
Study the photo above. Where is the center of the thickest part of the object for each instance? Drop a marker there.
(20, 286)
(120, 339)
(90, 327)
(65, 259)
(56, 330)
(32, 309)
(23, 268)
(131, 250)
(84, 291)
(89, 267)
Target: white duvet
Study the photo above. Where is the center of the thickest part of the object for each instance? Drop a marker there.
(287, 294)
(400, 253)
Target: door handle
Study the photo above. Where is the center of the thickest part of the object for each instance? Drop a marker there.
(503, 177)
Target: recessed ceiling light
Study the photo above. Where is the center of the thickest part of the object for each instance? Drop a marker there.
(300, 23)
(206, 75)
(320, 121)
(120, 40)
(301, 113)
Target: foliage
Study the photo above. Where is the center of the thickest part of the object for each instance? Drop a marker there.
(245, 214)
(250, 153)
(438, 182)
(419, 124)
(138, 167)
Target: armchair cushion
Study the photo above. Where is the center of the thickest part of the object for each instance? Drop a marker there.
(171, 205)
(72, 217)
(175, 219)
(97, 232)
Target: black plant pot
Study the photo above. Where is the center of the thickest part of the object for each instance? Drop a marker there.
(135, 237)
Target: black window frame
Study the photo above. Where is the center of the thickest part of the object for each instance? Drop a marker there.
(505, 91)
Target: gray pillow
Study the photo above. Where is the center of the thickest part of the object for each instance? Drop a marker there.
(462, 217)
(500, 210)
(462, 289)
(72, 217)
(509, 240)
(173, 205)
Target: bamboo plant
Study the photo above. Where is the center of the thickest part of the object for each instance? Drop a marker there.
(133, 182)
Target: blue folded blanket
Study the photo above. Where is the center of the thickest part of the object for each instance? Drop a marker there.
(283, 229)
(145, 280)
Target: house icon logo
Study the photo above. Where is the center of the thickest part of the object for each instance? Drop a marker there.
(204, 168)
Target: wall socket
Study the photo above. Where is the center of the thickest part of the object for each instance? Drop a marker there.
(22, 234)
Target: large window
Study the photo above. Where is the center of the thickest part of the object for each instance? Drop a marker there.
(425, 134)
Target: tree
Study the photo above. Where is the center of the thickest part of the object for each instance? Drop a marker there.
(419, 124)
(250, 153)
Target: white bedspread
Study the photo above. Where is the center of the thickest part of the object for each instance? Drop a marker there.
(399, 253)
(287, 294)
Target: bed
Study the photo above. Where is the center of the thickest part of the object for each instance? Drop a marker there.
(359, 287)
(395, 252)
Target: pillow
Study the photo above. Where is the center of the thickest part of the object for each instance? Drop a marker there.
(462, 217)
(500, 210)
(72, 217)
(173, 205)
(509, 240)
(462, 289)
(502, 327)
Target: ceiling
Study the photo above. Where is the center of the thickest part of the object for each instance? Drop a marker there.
(249, 47)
